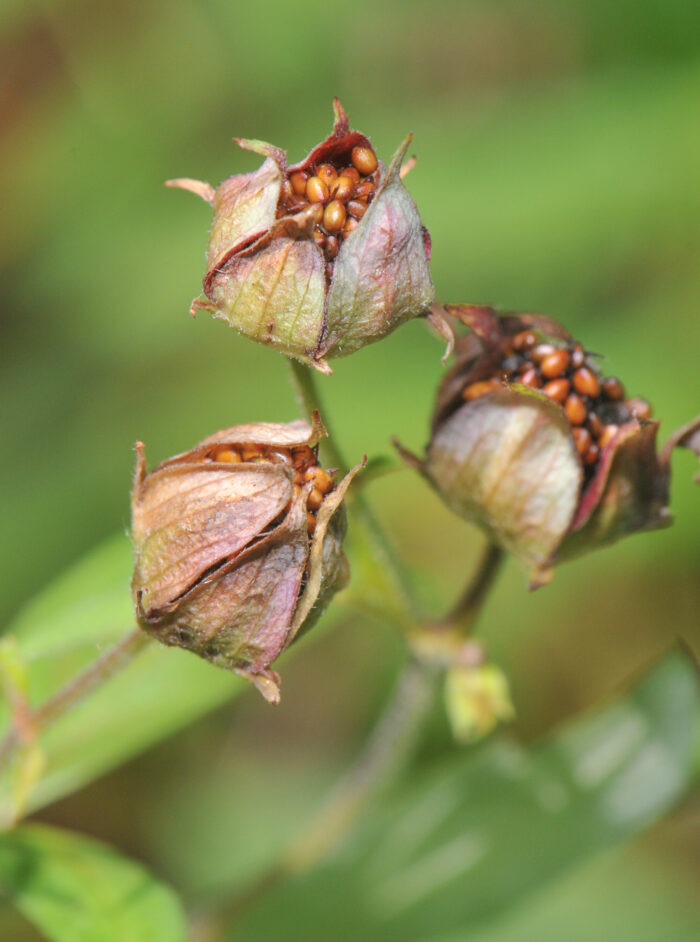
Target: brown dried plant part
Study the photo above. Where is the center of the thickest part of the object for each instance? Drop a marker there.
(318, 258)
(238, 545)
(531, 442)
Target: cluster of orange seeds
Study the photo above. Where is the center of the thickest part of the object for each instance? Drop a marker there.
(595, 406)
(301, 458)
(339, 195)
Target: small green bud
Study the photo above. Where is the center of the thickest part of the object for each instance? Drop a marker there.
(476, 700)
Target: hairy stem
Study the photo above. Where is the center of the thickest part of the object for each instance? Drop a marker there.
(94, 675)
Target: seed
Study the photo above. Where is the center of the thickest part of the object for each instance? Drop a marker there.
(364, 159)
(334, 216)
(542, 350)
(582, 439)
(321, 478)
(341, 188)
(575, 409)
(595, 425)
(227, 454)
(555, 363)
(316, 212)
(319, 238)
(327, 173)
(350, 224)
(639, 408)
(315, 499)
(608, 432)
(578, 357)
(524, 340)
(476, 390)
(310, 522)
(352, 173)
(316, 190)
(357, 209)
(531, 378)
(586, 382)
(557, 389)
(298, 180)
(280, 455)
(331, 247)
(364, 190)
(251, 452)
(613, 388)
(591, 455)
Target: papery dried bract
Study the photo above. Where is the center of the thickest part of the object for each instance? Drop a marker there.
(224, 564)
(508, 463)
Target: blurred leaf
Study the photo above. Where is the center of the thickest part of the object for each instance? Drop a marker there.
(27, 763)
(78, 890)
(162, 690)
(64, 628)
(623, 895)
(474, 837)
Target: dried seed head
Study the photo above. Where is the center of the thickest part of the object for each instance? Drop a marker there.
(535, 446)
(273, 273)
(231, 553)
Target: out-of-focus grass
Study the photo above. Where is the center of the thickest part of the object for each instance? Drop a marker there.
(557, 171)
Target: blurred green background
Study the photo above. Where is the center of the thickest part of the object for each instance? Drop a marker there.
(557, 171)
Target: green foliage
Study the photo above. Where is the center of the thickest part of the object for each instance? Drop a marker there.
(463, 846)
(66, 627)
(78, 890)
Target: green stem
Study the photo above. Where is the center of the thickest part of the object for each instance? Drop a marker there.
(385, 559)
(77, 688)
(448, 641)
(465, 611)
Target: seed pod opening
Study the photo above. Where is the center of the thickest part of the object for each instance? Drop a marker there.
(318, 258)
(533, 443)
(238, 545)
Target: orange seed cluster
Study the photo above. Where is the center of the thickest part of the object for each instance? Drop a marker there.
(339, 194)
(594, 405)
(300, 458)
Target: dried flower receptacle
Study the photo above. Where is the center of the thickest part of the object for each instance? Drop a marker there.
(533, 443)
(238, 545)
(319, 258)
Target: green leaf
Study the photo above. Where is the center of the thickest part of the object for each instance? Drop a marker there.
(77, 890)
(471, 839)
(66, 627)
